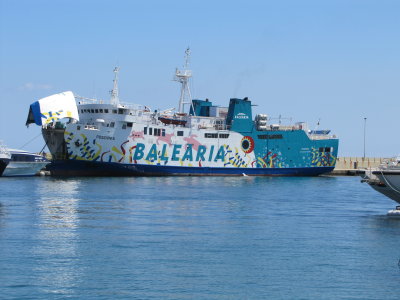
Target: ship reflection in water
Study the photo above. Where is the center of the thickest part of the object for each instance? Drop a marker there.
(56, 237)
(196, 237)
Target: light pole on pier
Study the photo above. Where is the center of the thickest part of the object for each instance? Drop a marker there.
(365, 126)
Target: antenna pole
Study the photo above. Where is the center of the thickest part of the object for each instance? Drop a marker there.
(115, 91)
(365, 126)
(183, 78)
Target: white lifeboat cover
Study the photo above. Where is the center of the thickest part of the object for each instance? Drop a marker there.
(53, 108)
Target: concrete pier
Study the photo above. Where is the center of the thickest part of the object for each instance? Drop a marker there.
(348, 166)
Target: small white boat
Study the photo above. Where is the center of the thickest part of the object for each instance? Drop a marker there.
(24, 163)
(394, 212)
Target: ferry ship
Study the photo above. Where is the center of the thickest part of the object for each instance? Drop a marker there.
(89, 137)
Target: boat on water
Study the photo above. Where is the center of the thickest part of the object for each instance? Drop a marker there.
(386, 180)
(5, 157)
(90, 137)
(24, 163)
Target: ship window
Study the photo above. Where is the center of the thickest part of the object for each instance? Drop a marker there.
(321, 149)
(106, 111)
(129, 124)
(328, 149)
(92, 111)
(145, 131)
(179, 133)
(223, 135)
(163, 132)
(120, 111)
(78, 127)
(124, 126)
(270, 136)
(96, 111)
(114, 111)
(211, 135)
(157, 131)
(112, 124)
(150, 131)
(101, 110)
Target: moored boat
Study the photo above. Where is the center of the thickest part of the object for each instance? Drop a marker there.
(24, 163)
(89, 137)
(386, 180)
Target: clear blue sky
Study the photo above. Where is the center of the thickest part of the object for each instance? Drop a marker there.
(338, 61)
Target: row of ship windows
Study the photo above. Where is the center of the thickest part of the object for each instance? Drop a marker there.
(216, 135)
(104, 111)
(161, 132)
(155, 132)
(270, 136)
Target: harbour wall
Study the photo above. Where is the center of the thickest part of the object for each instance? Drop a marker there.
(349, 165)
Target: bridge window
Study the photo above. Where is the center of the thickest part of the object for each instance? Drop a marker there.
(270, 136)
(179, 133)
(157, 131)
(211, 135)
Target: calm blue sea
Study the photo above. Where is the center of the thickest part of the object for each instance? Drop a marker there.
(197, 238)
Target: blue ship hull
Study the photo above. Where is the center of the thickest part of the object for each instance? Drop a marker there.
(88, 168)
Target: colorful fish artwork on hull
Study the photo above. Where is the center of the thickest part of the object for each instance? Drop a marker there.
(322, 158)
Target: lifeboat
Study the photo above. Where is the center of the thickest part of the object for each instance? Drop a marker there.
(172, 120)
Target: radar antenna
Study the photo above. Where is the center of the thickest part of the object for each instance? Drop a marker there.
(115, 92)
(183, 78)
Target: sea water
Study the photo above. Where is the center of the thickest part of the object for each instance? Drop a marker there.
(197, 238)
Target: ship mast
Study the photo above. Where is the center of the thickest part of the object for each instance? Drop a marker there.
(115, 92)
(183, 78)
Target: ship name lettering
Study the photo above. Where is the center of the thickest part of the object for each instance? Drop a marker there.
(178, 152)
(104, 137)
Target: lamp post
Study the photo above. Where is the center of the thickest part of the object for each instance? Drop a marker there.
(365, 126)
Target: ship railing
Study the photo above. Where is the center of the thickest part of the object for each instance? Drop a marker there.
(133, 106)
(86, 100)
(277, 127)
(220, 126)
(321, 136)
(54, 125)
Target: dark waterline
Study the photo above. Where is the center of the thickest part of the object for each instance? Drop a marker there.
(197, 238)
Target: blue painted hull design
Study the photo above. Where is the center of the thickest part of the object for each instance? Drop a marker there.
(87, 168)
